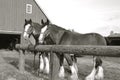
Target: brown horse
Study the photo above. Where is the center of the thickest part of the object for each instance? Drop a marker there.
(61, 36)
(34, 29)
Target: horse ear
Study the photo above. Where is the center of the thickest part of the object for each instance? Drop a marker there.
(25, 20)
(47, 21)
(59, 36)
(30, 21)
(42, 22)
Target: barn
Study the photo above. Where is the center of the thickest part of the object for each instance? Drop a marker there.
(12, 17)
(113, 39)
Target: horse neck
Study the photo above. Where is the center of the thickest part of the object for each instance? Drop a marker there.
(36, 38)
(54, 31)
(36, 31)
(37, 28)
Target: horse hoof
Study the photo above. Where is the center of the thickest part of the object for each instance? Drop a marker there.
(46, 70)
(74, 77)
(100, 74)
(61, 75)
(62, 72)
(45, 76)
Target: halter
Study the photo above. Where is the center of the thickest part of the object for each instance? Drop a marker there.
(33, 30)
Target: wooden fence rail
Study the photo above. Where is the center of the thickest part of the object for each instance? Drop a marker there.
(110, 51)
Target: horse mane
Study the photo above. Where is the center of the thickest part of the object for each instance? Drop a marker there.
(56, 27)
(37, 26)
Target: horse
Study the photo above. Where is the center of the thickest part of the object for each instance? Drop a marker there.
(34, 29)
(61, 36)
(97, 71)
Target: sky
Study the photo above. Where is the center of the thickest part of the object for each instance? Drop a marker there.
(84, 16)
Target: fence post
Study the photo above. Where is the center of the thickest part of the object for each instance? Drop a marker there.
(22, 61)
(54, 67)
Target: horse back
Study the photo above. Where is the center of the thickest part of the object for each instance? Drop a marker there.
(72, 38)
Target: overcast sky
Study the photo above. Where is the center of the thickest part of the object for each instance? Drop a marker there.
(84, 16)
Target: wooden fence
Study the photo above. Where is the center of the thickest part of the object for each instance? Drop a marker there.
(110, 51)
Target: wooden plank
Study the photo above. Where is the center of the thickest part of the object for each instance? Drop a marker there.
(110, 51)
(73, 49)
(22, 61)
(54, 67)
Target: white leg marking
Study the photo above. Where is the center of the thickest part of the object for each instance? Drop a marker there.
(91, 76)
(41, 64)
(75, 65)
(62, 72)
(73, 69)
(74, 75)
(100, 74)
(47, 69)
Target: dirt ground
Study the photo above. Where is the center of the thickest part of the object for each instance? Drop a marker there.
(111, 65)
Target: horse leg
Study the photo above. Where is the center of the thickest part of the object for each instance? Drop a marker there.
(47, 66)
(62, 70)
(100, 72)
(97, 72)
(41, 64)
(91, 76)
(75, 62)
(74, 75)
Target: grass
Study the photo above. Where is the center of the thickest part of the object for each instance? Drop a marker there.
(111, 65)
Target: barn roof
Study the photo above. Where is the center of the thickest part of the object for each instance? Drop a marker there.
(114, 34)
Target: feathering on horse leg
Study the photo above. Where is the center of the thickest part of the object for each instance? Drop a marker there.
(100, 71)
(47, 66)
(62, 72)
(97, 72)
(100, 74)
(91, 76)
(75, 62)
(74, 75)
(70, 62)
(41, 66)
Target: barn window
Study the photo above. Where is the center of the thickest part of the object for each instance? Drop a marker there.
(29, 8)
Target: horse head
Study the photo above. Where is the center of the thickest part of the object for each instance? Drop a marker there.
(43, 30)
(27, 29)
(51, 33)
(32, 28)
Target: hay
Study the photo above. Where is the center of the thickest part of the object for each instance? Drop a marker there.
(9, 72)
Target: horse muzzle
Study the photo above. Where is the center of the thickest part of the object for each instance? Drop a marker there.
(25, 35)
